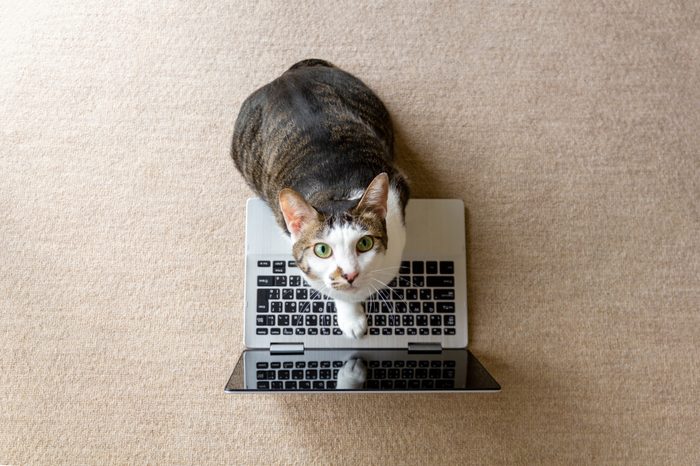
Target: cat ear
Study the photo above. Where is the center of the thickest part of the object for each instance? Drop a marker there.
(296, 211)
(375, 197)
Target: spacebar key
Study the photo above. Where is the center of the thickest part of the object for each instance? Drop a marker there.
(440, 281)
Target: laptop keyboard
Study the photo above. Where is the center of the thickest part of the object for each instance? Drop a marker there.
(381, 375)
(419, 301)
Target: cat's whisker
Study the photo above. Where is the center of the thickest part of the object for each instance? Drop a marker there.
(393, 292)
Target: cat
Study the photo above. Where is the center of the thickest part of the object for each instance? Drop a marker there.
(318, 146)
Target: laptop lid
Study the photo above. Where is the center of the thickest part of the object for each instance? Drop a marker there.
(360, 370)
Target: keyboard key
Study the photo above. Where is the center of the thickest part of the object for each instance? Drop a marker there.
(414, 306)
(421, 320)
(447, 267)
(317, 306)
(429, 307)
(421, 373)
(424, 331)
(275, 365)
(435, 320)
(261, 365)
(372, 307)
(275, 331)
(411, 363)
(414, 384)
(398, 294)
(338, 364)
(399, 331)
(439, 281)
(436, 331)
(291, 264)
(266, 280)
(302, 293)
(386, 363)
(446, 307)
(427, 383)
(290, 306)
(325, 331)
(263, 385)
(386, 331)
(412, 295)
(297, 320)
(399, 385)
(407, 373)
(400, 307)
(407, 320)
(263, 263)
(404, 281)
(411, 331)
(418, 267)
(425, 295)
(290, 385)
(297, 374)
(393, 373)
(434, 373)
(448, 373)
(379, 374)
(444, 295)
(330, 307)
(449, 331)
(283, 320)
(394, 320)
(387, 307)
(330, 385)
(311, 374)
(337, 331)
(326, 320)
(449, 321)
(280, 280)
(318, 385)
(418, 282)
(324, 374)
(300, 364)
(287, 364)
(300, 331)
(278, 267)
(287, 293)
(380, 320)
(277, 385)
(374, 331)
(405, 267)
(304, 307)
(431, 267)
(261, 331)
(295, 280)
(312, 331)
(312, 364)
(436, 363)
(386, 384)
(373, 384)
(276, 306)
(287, 331)
(262, 375)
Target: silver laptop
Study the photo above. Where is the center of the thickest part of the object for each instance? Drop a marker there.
(417, 328)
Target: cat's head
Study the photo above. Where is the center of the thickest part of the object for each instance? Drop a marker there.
(341, 254)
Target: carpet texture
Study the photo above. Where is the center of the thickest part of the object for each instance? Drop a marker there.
(570, 130)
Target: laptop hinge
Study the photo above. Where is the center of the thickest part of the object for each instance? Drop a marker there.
(286, 348)
(424, 347)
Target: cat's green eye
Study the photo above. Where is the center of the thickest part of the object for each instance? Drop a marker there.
(365, 244)
(322, 250)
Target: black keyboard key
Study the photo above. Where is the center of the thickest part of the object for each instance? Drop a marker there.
(318, 385)
(263, 263)
(324, 374)
(405, 267)
(312, 331)
(311, 374)
(300, 364)
(297, 374)
(404, 281)
(387, 307)
(312, 364)
(411, 363)
(394, 320)
(412, 295)
(297, 320)
(379, 374)
(338, 364)
(423, 331)
(266, 280)
(263, 385)
(398, 294)
(434, 373)
(374, 364)
(436, 363)
(386, 384)
(421, 320)
(425, 295)
(386, 363)
(277, 385)
(400, 307)
(290, 385)
(431, 267)
(330, 385)
(449, 331)
(418, 282)
(304, 307)
(275, 365)
(291, 264)
(337, 331)
(444, 295)
(330, 307)
(411, 331)
(399, 331)
(261, 365)
(287, 331)
(302, 293)
(295, 280)
(326, 320)
(414, 384)
(276, 306)
(436, 320)
(421, 373)
(287, 364)
(449, 321)
(261, 331)
(372, 384)
(440, 281)
(427, 383)
(407, 373)
(287, 293)
(399, 384)
(372, 307)
(393, 373)
(447, 267)
(261, 375)
(446, 307)
(436, 331)
(280, 280)
(290, 306)
(283, 320)
(374, 331)
(407, 320)
(418, 267)
(275, 331)
(278, 267)
(429, 307)
(315, 295)
(380, 320)
(325, 331)
(414, 306)
(386, 331)
(300, 331)
(317, 306)
(448, 373)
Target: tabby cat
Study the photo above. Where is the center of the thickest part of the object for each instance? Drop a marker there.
(318, 146)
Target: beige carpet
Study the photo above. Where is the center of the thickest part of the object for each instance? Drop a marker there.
(571, 130)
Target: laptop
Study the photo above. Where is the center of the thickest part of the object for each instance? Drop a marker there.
(417, 327)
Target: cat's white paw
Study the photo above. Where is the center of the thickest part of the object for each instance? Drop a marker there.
(352, 375)
(352, 320)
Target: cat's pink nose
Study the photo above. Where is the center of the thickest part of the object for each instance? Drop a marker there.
(350, 277)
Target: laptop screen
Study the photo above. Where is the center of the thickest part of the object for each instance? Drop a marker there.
(320, 370)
